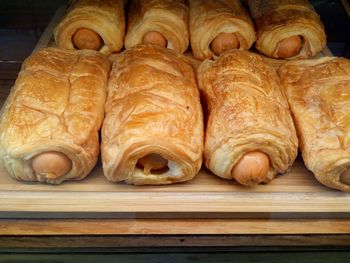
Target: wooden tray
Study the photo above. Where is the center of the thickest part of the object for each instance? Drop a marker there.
(296, 194)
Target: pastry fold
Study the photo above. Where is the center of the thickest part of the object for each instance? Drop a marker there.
(104, 17)
(56, 105)
(276, 20)
(167, 17)
(246, 111)
(209, 18)
(153, 107)
(319, 96)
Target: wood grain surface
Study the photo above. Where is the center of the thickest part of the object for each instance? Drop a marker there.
(173, 226)
(171, 241)
(294, 192)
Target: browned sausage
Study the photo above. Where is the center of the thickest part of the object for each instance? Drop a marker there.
(345, 177)
(51, 164)
(251, 169)
(152, 162)
(85, 38)
(289, 47)
(223, 42)
(154, 37)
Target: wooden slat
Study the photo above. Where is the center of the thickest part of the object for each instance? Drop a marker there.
(173, 226)
(294, 192)
(27, 202)
(159, 241)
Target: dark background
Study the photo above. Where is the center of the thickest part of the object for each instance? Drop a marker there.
(23, 21)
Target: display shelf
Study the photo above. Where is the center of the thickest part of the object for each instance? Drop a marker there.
(294, 209)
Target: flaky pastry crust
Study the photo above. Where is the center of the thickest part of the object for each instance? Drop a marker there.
(105, 17)
(153, 107)
(210, 18)
(276, 20)
(167, 17)
(56, 104)
(246, 111)
(319, 96)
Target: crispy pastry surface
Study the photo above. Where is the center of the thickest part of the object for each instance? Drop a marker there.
(210, 18)
(153, 106)
(319, 96)
(56, 104)
(167, 17)
(246, 111)
(276, 20)
(105, 17)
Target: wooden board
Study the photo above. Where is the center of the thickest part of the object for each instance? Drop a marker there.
(179, 243)
(294, 192)
(47, 227)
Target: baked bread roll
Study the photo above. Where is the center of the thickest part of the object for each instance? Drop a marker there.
(250, 135)
(216, 26)
(319, 96)
(153, 130)
(93, 24)
(158, 22)
(49, 124)
(288, 29)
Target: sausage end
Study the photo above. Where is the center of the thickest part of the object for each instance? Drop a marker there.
(85, 38)
(289, 47)
(251, 169)
(345, 177)
(153, 163)
(223, 42)
(155, 38)
(52, 165)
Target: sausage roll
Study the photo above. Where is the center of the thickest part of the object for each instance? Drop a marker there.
(49, 124)
(287, 28)
(158, 22)
(153, 130)
(250, 135)
(216, 26)
(319, 96)
(93, 24)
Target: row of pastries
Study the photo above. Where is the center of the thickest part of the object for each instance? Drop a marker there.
(160, 118)
(153, 127)
(280, 29)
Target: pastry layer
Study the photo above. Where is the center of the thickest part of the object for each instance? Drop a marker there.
(209, 18)
(153, 108)
(56, 105)
(104, 17)
(277, 20)
(246, 112)
(319, 96)
(167, 17)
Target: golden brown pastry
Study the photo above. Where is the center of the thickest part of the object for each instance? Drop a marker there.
(153, 130)
(216, 26)
(93, 24)
(319, 96)
(158, 22)
(250, 135)
(50, 121)
(287, 29)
